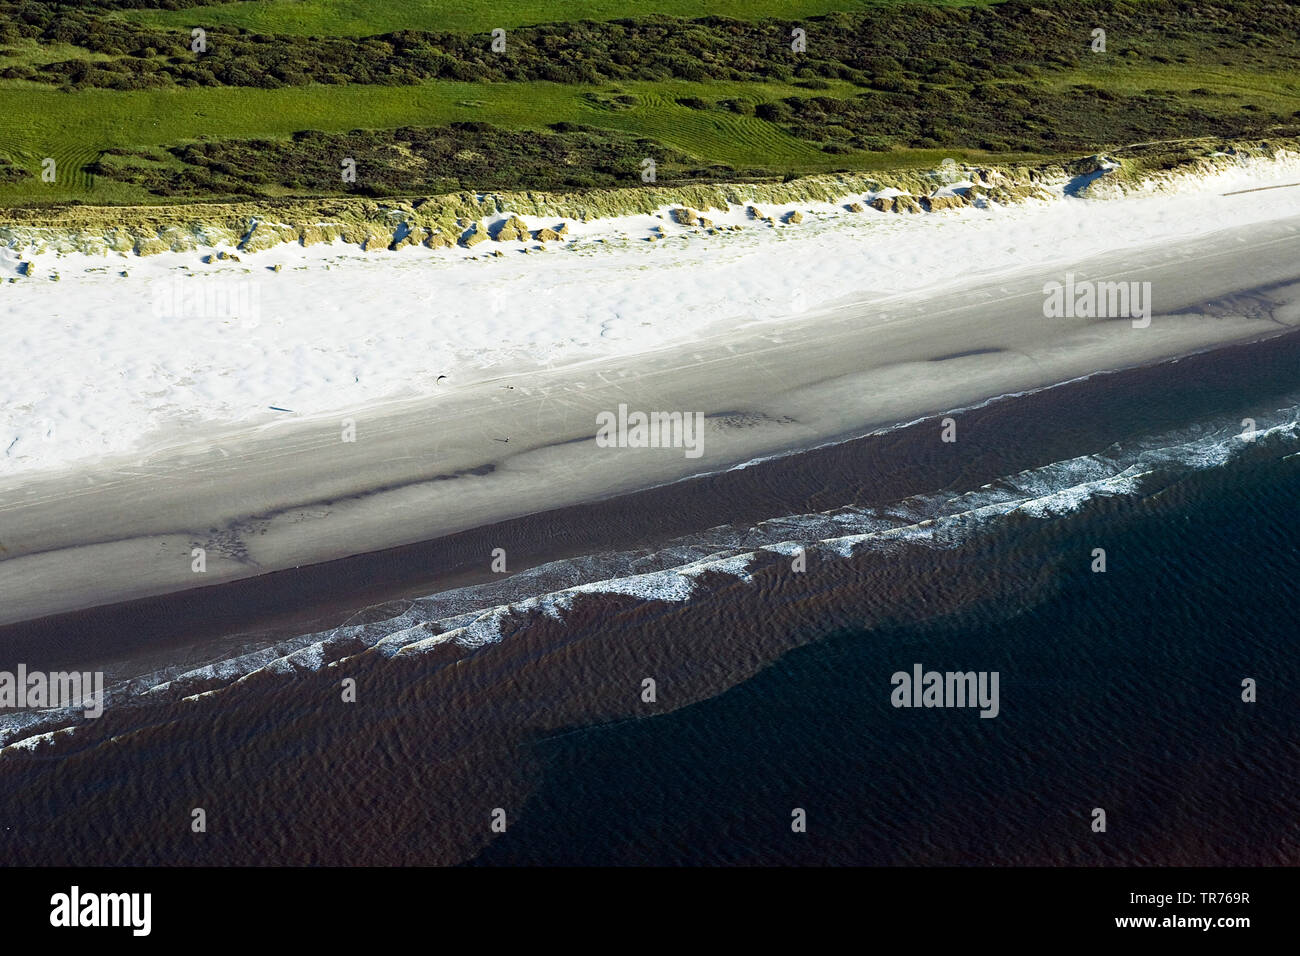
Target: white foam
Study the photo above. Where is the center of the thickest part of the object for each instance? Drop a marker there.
(479, 615)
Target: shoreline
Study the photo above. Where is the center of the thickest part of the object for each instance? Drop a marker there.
(293, 496)
(878, 327)
(1044, 432)
(479, 726)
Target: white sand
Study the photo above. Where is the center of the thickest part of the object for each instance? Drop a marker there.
(296, 491)
(100, 364)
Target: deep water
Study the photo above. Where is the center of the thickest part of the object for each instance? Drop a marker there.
(1121, 691)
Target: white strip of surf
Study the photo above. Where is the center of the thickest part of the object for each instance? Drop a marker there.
(119, 348)
(476, 615)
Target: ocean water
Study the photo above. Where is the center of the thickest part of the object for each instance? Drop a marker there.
(1119, 690)
(770, 607)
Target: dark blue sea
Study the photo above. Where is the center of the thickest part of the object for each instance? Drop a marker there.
(1120, 691)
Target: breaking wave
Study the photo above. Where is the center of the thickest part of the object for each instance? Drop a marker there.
(470, 617)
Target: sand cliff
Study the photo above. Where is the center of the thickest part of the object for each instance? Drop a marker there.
(467, 218)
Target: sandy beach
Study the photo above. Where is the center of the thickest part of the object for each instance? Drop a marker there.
(290, 493)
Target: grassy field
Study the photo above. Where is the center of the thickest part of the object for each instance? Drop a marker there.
(1277, 91)
(919, 121)
(74, 128)
(367, 17)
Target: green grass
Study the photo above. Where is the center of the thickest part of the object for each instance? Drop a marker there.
(31, 53)
(38, 121)
(75, 127)
(368, 17)
(1280, 91)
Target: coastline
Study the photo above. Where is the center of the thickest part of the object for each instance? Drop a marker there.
(477, 725)
(779, 339)
(701, 435)
(293, 495)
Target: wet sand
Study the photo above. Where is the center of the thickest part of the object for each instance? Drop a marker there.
(205, 624)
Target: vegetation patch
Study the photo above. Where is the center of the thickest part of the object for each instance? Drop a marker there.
(1000, 117)
(729, 96)
(402, 162)
(889, 48)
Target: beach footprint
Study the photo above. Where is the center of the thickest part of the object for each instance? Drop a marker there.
(614, 329)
